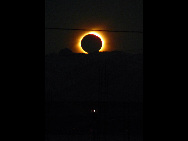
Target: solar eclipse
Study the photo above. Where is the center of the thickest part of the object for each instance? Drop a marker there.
(91, 42)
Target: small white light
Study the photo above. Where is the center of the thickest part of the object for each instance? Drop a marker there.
(93, 110)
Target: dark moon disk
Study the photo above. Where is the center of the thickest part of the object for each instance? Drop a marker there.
(91, 43)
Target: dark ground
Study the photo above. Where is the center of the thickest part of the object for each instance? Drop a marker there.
(110, 82)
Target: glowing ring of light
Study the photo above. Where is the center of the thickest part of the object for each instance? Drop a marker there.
(96, 34)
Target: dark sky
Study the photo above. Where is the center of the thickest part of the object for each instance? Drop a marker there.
(96, 15)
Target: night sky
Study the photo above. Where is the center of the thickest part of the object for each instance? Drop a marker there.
(126, 15)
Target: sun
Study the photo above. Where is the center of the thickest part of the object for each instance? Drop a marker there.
(94, 33)
(91, 43)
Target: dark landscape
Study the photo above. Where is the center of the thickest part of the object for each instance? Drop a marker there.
(111, 83)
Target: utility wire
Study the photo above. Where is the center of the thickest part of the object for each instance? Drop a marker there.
(95, 30)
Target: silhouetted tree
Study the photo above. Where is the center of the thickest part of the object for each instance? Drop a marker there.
(65, 52)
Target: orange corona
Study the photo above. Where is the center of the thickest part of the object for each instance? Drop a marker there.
(94, 33)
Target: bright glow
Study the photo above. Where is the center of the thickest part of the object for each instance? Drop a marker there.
(94, 111)
(94, 33)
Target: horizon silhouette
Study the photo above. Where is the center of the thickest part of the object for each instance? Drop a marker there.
(109, 82)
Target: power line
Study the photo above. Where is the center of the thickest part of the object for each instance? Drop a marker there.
(95, 30)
